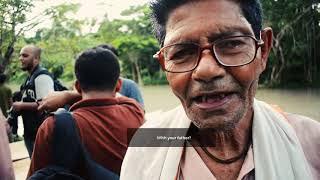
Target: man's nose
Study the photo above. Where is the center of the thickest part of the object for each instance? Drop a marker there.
(208, 67)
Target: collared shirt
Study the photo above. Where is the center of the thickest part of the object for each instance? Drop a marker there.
(102, 125)
(193, 167)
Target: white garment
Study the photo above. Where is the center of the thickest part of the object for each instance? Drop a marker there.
(277, 151)
(276, 148)
(43, 85)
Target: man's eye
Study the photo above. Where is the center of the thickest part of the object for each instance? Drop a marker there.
(231, 44)
(180, 54)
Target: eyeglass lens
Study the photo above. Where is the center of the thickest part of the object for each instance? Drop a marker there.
(234, 51)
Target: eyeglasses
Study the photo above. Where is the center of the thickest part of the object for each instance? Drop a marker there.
(231, 51)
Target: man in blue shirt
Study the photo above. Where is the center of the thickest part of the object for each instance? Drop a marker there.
(130, 89)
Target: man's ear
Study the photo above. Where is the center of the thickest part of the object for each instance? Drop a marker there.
(78, 87)
(118, 85)
(266, 37)
(36, 60)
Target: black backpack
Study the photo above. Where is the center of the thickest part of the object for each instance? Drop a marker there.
(40, 70)
(67, 151)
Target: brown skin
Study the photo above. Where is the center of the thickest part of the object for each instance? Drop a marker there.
(58, 99)
(94, 94)
(232, 120)
(29, 60)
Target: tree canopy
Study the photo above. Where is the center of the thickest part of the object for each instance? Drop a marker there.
(294, 59)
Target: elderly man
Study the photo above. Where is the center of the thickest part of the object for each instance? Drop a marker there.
(214, 52)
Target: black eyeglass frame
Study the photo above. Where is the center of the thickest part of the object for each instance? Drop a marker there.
(160, 57)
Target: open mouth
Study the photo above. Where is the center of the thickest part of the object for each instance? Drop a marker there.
(212, 100)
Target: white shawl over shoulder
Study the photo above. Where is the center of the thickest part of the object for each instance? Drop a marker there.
(276, 148)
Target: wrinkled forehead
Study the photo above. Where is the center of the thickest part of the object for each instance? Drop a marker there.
(206, 18)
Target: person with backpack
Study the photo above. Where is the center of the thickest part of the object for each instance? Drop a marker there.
(38, 84)
(102, 120)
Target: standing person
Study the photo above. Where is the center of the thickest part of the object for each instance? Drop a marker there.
(5, 104)
(6, 170)
(102, 119)
(34, 89)
(5, 95)
(213, 52)
(12, 118)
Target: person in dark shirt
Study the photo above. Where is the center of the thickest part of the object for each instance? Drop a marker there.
(5, 95)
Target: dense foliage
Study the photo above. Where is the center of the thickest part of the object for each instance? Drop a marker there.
(294, 59)
(295, 56)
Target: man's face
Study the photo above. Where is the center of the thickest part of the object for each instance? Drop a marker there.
(27, 58)
(212, 95)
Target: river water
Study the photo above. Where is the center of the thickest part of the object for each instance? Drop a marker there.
(299, 101)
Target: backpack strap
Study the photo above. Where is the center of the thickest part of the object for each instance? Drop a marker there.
(66, 142)
(68, 149)
(39, 71)
(29, 82)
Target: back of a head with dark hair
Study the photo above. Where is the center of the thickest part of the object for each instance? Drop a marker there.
(160, 10)
(109, 47)
(97, 69)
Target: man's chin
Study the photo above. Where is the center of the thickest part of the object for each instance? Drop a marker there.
(217, 124)
(218, 120)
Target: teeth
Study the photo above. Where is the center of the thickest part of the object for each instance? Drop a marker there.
(213, 98)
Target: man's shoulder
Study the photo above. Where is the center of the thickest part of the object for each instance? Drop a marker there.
(126, 100)
(308, 133)
(123, 100)
(43, 78)
(128, 85)
(128, 81)
(307, 129)
(48, 124)
(302, 123)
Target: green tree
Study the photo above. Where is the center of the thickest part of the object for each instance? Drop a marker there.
(135, 51)
(137, 45)
(63, 40)
(296, 26)
(13, 24)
